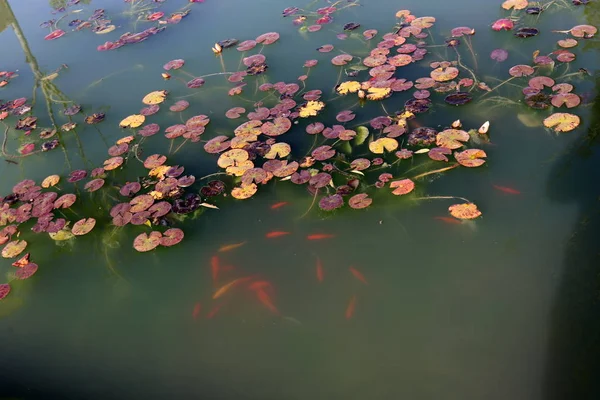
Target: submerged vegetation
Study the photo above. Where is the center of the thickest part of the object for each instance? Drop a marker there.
(357, 143)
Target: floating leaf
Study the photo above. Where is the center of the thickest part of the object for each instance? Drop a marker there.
(179, 106)
(464, 211)
(268, 38)
(235, 112)
(458, 98)
(521, 70)
(439, 153)
(155, 97)
(516, 4)
(526, 32)
(443, 74)
(583, 31)
(470, 157)
(378, 146)
(348, 87)
(144, 242)
(569, 100)
(54, 34)
(171, 237)
(50, 181)
(378, 93)
(27, 271)
(244, 191)
(499, 55)
(174, 64)
(94, 185)
(14, 248)
(65, 201)
(311, 109)
(83, 226)
(402, 187)
(360, 201)
(562, 122)
(329, 203)
(279, 126)
(113, 163)
(341, 59)
(4, 290)
(133, 121)
(452, 138)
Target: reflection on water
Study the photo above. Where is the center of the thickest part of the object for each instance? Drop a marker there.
(470, 310)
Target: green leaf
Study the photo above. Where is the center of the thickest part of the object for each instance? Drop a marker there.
(345, 147)
(362, 133)
(358, 67)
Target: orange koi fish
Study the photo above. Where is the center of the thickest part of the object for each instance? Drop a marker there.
(506, 189)
(358, 275)
(448, 220)
(229, 247)
(259, 285)
(320, 236)
(196, 311)
(279, 205)
(350, 308)
(276, 234)
(223, 289)
(319, 270)
(265, 299)
(213, 312)
(23, 261)
(214, 268)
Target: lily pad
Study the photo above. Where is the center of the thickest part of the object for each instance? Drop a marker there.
(464, 211)
(562, 122)
(526, 32)
(268, 38)
(360, 201)
(171, 237)
(471, 157)
(144, 242)
(179, 106)
(83, 226)
(569, 100)
(4, 290)
(94, 185)
(499, 55)
(439, 153)
(149, 130)
(65, 201)
(174, 64)
(14, 248)
(329, 203)
(113, 163)
(521, 70)
(452, 138)
(141, 203)
(402, 187)
(458, 98)
(50, 181)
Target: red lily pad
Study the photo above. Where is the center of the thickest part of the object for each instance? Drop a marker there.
(77, 175)
(326, 48)
(197, 121)
(83, 226)
(439, 153)
(237, 76)
(217, 144)
(174, 64)
(341, 59)
(155, 17)
(4, 290)
(360, 201)
(254, 59)
(268, 38)
(23, 187)
(186, 181)
(159, 209)
(65, 201)
(320, 180)
(323, 153)
(521, 70)
(94, 185)
(314, 28)
(246, 45)
(369, 34)
(196, 83)
(311, 63)
(329, 203)
(155, 160)
(54, 34)
(149, 130)
(278, 127)
(402, 187)
(499, 55)
(503, 23)
(113, 163)
(179, 106)
(235, 112)
(14, 248)
(150, 110)
(315, 128)
(471, 157)
(141, 203)
(144, 242)
(171, 237)
(118, 149)
(569, 100)
(345, 116)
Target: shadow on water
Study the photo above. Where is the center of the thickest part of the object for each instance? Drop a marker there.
(573, 360)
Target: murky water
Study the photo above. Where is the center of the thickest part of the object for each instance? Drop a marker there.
(472, 310)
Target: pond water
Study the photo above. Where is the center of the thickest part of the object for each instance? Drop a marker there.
(396, 300)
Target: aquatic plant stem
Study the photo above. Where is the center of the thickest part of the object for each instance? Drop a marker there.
(311, 205)
(442, 198)
(436, 171)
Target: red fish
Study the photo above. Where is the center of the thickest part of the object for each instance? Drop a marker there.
(319, 270)
(449, 220)
(196, 311)
(319, 236)
(259, 285)
(506, 189)
(214, 267)
(265, 299)
(225, 288)
(213, 312)
(276, 234)
(358, 275)
(350, 308)
(279, 205)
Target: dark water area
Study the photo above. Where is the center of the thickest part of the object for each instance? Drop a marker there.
(505, 306)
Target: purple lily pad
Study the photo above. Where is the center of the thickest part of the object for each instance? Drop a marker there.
(94, 185)
(323, 153)
(150, 110)
(130, 188)
(77, 175)
(23, 273)
(159, 209)
(174, 64)
(118, 149)
(186, 181)
(72, 110)
(141, 203)
(213, 188)
(179, 106)
(439, 153)
(149, 130)
(140, 218)
(360, 201)
(196, 83)
(345, 116)
(171, 237)
(329, 203)
(4, 290)
(65, 201)
(320, 180)
(499, 55)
